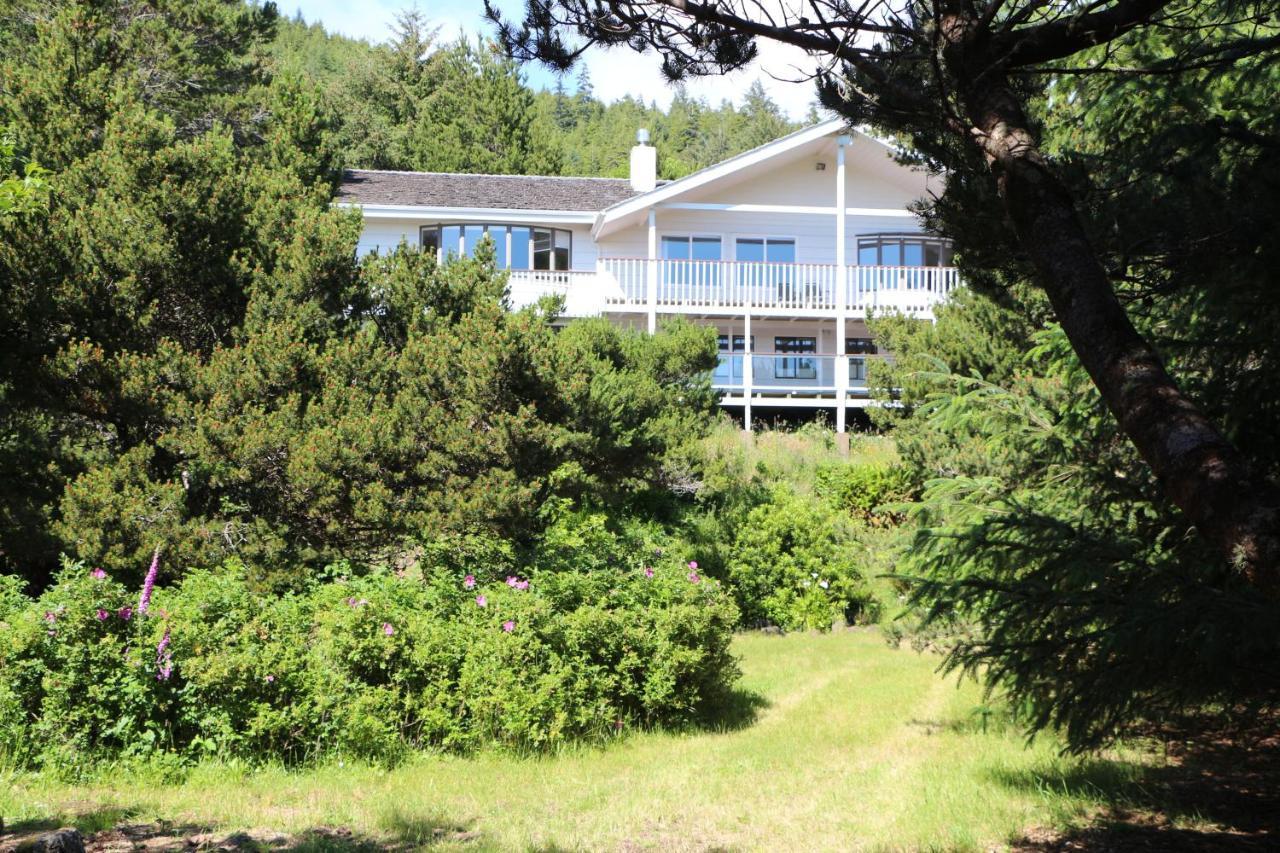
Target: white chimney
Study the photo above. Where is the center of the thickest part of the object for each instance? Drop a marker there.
(644, 163)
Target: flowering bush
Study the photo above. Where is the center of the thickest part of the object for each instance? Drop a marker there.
(366, 666)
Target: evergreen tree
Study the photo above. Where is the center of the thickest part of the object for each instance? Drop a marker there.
(477, 117)
(584, 89)
(762, 119)
(564, 113)
(177, 172)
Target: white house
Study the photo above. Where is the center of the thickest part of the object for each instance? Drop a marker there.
(785, 249)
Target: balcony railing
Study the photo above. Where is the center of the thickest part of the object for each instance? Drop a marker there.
(689, 286)
(791, 374)
(580, 288)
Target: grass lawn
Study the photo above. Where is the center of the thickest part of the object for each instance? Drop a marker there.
(854, 745)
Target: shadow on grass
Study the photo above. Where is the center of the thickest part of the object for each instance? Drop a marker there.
(736, 710)
(87, 822)
(108, 830)
(1218, 790)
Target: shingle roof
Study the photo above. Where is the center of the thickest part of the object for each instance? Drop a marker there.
(512, 192)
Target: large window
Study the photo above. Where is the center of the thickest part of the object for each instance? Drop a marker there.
(903, 250)
(518, 247)
(700, 278)
(792, 367)
(757, 251)
(729, 368)
(686, 248)
(857, 348)
(777, 250)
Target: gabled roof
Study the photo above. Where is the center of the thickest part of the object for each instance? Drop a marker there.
(627, 209)
(507, 192)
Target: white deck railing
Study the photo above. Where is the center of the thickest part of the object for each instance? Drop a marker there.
(732, 287)
(801, 289)
(792, 374)
(580, 288)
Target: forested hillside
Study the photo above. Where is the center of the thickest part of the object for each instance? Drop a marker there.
(425, 103)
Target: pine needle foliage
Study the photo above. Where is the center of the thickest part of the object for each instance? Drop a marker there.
(1042, 553)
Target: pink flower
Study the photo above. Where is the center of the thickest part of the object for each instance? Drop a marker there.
(144, 600)
(99, 574)
(164, 659)
(102, 615)
(693, 577)
(50, 616)
(508, 626)
(648, 571)
(512, 581)
(387, 629)
(270, 678)
(469, 582)
(482, 601)
(693, 564)
(125, 613)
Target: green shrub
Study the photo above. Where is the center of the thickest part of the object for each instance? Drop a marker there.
(427, 406)
(864, 491)
(794, 567)
(368, 666)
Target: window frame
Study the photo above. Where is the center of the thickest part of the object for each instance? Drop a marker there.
(879, 239)
(689, 237)
(795, 365)
(767, 238)
(857, 349)
(443, 253)
(734, 348)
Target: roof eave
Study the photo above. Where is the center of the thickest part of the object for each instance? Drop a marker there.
(472, 214)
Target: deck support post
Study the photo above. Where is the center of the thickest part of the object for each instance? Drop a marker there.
(841, 290)
(651, 273)
(748, 368)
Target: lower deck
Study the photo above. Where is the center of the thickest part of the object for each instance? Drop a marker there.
(788, 366)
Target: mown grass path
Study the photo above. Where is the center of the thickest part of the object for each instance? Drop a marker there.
(854, 746)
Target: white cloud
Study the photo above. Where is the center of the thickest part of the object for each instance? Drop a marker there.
(614, 73)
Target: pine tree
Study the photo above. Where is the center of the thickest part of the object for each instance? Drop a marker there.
(762, 119)
(564, 115)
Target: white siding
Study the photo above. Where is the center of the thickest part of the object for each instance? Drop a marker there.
(795, 184)
(815, 234)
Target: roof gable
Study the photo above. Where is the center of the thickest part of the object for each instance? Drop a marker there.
(731, 168)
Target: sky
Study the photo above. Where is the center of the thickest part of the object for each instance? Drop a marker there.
(614, 73)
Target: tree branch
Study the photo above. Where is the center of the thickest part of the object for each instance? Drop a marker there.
(1068, 35)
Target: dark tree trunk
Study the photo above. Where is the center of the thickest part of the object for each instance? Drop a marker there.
(1199, 470)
